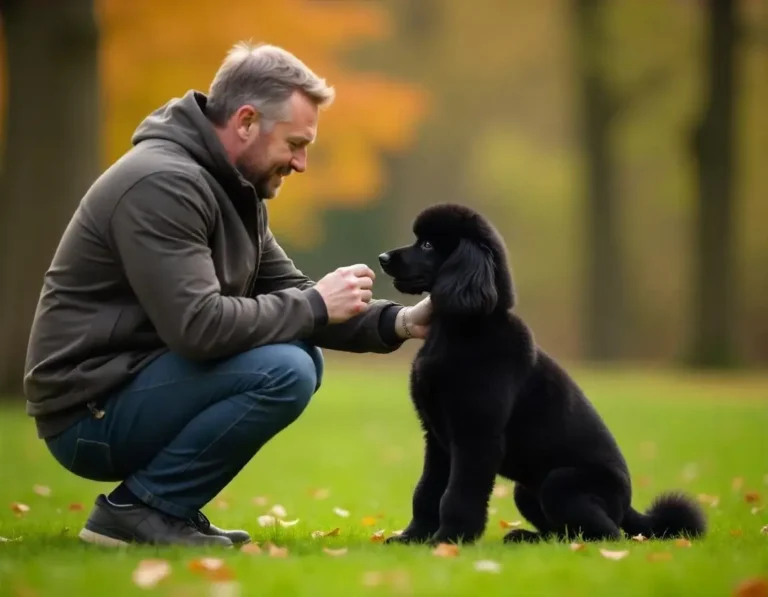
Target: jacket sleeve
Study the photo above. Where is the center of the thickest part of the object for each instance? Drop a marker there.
(159, 230)
(370, 331)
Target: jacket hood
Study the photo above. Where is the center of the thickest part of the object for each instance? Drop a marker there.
(183, 121)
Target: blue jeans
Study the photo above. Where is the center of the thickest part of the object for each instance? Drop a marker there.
(182, 430)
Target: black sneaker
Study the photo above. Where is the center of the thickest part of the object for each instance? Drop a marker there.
(114, 526)
(207, 528)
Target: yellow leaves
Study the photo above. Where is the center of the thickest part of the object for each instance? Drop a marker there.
(148, 573)
(341, 512)
(577, 547)
(332, 533)
(764, 530)
(510, 525)
(614, 555)
(752, 587)
(487, 566)
(369, 521)
(214, 569)
(378, 536)
(659, 556)
(19, 509)
(446, 550)
(682, 542)
(372, 114)
(501, 491)
(42, 490)
(321, 493)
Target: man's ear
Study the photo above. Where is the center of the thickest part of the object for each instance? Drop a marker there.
(465, 283)
(248, 121)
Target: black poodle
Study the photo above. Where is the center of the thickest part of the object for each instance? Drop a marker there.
(492, 403)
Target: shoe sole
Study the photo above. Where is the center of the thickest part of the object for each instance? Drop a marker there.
(94, 538)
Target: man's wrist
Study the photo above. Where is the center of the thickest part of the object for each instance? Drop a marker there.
(402, 324)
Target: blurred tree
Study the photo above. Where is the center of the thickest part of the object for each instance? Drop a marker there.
(50, 155)
(714, 285)
(373, 114)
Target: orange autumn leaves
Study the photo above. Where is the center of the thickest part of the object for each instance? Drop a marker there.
(178, 50)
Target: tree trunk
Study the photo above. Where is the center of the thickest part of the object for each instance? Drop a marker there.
(714, 285)
(604, 292)
(51, 156)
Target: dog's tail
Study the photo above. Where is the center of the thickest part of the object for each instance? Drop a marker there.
(670, 515)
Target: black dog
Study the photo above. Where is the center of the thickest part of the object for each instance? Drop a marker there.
(492, 403)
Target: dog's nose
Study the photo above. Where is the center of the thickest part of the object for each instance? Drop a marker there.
(384, 258)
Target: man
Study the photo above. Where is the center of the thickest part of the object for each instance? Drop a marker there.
(173, 336)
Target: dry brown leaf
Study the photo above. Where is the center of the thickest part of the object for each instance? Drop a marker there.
(288, 523)
(500, 491)
(446, 550)
(266, 520)
(736, 532)
(214, 569)
(510, 525)
(43, 490)
(276, 552)
(278, 511)
(342, 551)
(378, 536)
(614, 555)
(19, 508)
(148, 573)
(487, 566)
(321, 494)
(260, 500)
(76, 507)
(639, 538)
(252, 548)
(341, 512)
(369, 521)
(332, 533)
(578, 546)
(683, 542)
(752, 587)
(752, 497)
(660, 556)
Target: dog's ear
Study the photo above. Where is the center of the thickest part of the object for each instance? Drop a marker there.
(465, 283)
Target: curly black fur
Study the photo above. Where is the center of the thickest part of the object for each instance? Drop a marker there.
(492, 403)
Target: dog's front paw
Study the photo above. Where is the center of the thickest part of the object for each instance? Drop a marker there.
(455, 535)
(413, 533)
(522, 536)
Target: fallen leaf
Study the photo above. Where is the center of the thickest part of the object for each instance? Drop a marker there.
(639, 538)
(266, 520)
(682, 542)
(752, 497)
(278, 511)
(288, 523)
(378, 536)
(736, 533)
(252, 548)
(710, 500)
(614, 555)
(19, 508)
(578, 546)
(321, 494)
(661, 556)
(764, 530)
(148, 573)
(260, 500)
(369, 521)
(487, 566)
(500, 491)
(510, 525)
(276, 552)
(335, 552)
(752, 587)
(341, 512)
(397, 533)
(332, 533)
(43, 490)
(76, 507)
(214, 569)
(756, 509)
(446, 550)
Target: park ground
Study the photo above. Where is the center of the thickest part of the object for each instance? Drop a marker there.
(350, 463)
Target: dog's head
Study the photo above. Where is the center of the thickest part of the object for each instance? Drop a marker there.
(458, 257)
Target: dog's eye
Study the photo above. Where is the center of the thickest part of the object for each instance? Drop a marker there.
(426, 245)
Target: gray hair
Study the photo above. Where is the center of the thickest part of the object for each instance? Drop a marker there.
(263, 76)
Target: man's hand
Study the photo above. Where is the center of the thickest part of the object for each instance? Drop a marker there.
(346, 292)
(413, 322)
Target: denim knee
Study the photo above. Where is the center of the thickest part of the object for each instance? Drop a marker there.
(296, 370)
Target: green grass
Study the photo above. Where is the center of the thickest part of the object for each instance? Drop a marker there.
(359, 439)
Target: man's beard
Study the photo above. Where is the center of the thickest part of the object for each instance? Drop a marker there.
(261, 180)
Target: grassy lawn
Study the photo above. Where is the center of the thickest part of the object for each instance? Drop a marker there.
(357, 448)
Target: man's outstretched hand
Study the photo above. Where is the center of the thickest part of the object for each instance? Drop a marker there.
(413, 322)
(346, 291)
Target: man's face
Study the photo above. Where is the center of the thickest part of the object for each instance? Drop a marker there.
(267, 156)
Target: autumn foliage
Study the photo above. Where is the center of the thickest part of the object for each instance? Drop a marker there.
(153, 51)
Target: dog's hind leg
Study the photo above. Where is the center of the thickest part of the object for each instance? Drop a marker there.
(580, 503)
(528, 504)
(427, 495)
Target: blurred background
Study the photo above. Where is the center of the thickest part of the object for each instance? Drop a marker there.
(620, 146)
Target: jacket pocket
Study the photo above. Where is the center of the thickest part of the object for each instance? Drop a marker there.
(93, 460)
